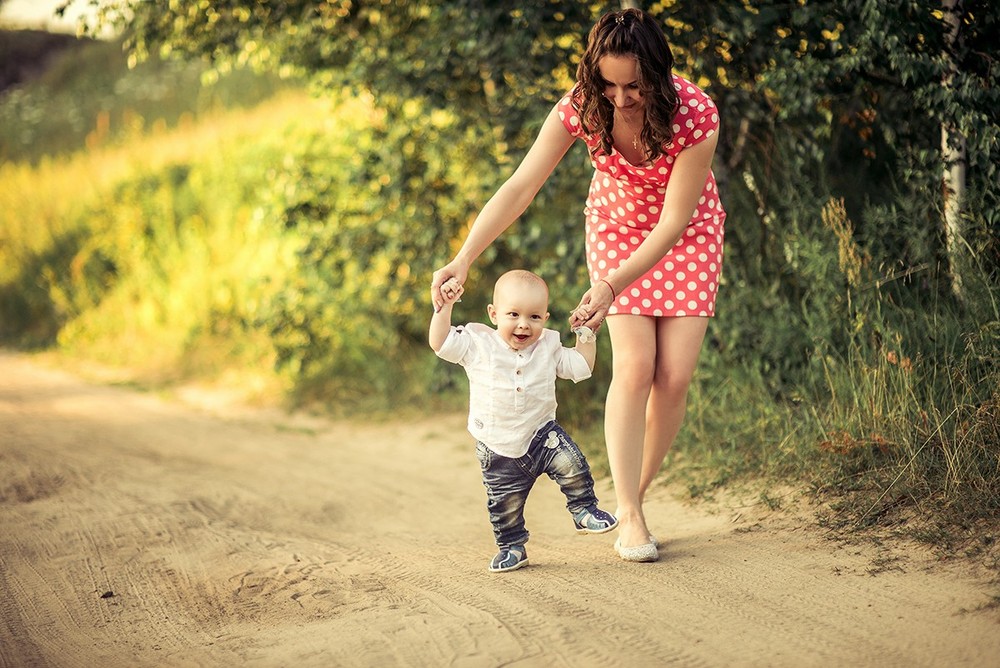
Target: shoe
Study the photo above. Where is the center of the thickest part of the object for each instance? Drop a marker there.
(645, 552)
(594, 520)
(509, 559)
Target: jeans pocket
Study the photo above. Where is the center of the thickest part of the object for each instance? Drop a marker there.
(568, 448)
(484, 455)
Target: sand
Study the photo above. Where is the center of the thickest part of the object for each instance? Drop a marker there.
(137, 530)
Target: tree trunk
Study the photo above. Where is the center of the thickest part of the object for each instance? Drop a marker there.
(953, 154)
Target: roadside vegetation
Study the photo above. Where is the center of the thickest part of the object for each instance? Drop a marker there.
(243, 231)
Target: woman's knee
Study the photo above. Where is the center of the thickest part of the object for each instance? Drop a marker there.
(634, 372)
(671, 386)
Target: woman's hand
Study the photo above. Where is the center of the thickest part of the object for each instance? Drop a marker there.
(453, 270)
(593, 308)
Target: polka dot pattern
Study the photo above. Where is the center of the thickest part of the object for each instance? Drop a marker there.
(623, 206)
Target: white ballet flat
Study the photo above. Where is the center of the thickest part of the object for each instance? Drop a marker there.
(640, 553)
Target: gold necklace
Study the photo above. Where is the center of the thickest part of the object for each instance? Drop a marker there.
(628, 126)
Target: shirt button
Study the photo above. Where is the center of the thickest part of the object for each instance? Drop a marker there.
(518, 372)
(519, 389)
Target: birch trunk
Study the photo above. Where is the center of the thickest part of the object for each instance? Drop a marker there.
(953, 154)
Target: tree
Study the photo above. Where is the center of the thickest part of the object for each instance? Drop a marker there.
(954, 154)
(862, 89)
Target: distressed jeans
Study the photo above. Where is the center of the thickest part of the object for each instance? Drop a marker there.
(508, 480)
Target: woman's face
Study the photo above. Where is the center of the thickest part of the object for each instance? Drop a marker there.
(621, 82)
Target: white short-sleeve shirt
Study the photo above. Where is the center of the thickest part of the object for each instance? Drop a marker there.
(512, 393)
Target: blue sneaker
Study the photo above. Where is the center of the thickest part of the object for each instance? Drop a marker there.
(509, 559)
(594, 520)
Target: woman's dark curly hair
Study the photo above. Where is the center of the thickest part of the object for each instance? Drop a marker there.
(632, 33)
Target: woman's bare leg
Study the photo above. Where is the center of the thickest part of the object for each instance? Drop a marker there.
(633, 343)
(678, 343)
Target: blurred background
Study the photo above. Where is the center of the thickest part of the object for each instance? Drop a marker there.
(251, 196)
(41, 15)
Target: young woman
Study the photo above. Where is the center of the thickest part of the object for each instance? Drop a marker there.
(654, 232)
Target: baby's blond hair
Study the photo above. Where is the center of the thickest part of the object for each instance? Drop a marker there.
(522, 277)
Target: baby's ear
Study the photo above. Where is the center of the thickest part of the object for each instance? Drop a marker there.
(492, 312)
(546, 318)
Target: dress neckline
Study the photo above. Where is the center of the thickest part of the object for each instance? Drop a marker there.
(641, 165)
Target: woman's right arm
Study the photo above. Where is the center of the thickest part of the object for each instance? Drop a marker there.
(509, 202)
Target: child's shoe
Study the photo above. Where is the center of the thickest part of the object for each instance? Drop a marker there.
(509, 559)
(594, 520)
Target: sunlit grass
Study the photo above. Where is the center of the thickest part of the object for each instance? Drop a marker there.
(190, 270)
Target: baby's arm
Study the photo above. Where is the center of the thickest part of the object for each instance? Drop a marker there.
(586, 345)
(441, 320)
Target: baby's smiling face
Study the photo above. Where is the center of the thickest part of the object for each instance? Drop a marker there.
(520, 311)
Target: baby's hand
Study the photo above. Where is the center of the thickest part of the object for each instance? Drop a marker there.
(451, 291)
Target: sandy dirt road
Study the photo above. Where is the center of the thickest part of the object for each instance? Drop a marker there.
(136, 531)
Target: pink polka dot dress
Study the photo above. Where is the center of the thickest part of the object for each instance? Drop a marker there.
(624, 204)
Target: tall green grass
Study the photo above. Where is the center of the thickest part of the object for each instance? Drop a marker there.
(892, 419)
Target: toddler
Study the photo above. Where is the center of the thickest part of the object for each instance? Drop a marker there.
(512, 406)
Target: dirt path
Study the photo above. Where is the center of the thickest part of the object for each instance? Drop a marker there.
(141, 532)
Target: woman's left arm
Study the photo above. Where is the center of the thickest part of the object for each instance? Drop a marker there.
(687, 180)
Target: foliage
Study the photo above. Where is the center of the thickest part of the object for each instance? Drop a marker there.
(151, 255)
(851, 96)
(24, 52)
(363, 213)
(481, 61)
(851, 70)
(85, 96)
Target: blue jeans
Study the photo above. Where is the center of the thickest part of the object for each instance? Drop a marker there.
(508, 480)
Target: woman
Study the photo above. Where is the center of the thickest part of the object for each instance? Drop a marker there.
(654, 229)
